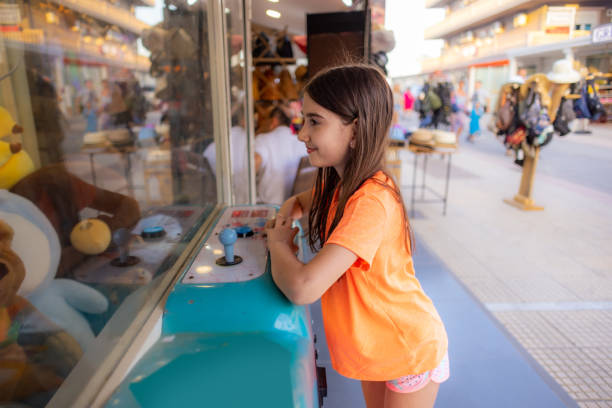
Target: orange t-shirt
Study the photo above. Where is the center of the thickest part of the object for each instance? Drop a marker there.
(379, 323)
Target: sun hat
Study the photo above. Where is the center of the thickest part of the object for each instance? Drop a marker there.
(516, 79)
(422, 138)
(444, 137)
(563, 72)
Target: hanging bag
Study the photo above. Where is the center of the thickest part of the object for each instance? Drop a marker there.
(593, 102)
(565, 114)
(581, 106)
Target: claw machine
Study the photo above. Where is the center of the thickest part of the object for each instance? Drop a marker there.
(138, 270)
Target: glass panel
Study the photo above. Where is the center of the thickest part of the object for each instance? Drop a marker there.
(238, 104)
(105, 115)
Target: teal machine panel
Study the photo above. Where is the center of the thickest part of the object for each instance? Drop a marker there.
(229, 337)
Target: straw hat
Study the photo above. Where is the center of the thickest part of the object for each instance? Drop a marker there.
(444, 137)
(516, 79)
(423, 136)
(563, 72)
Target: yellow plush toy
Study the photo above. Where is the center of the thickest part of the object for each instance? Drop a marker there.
(15, 163)
(8, 126)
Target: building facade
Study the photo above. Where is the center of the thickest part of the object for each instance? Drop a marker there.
(491, 40)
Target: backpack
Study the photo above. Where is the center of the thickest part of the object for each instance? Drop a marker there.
(581, 106)
(565, 114)
(507, 113)
(593, 101)
(534, 116)
(434, 100)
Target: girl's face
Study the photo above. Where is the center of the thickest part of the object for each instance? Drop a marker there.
(327, 139)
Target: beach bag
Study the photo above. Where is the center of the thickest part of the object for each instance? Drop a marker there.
(261, 47)
(581, 106)
(283, 45)
(516, 137)
(565, 115)
(593, 102)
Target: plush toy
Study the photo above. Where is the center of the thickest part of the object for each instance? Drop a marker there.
(35, 354)
(15, 163)
(36, 242)
(91, 236)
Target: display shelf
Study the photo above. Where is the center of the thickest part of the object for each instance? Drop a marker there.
(270, 61)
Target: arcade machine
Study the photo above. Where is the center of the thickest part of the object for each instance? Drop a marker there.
(229, 337)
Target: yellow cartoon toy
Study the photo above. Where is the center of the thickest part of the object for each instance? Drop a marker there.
(15, 163)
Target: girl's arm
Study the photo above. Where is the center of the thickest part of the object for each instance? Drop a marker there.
(304, 283)
(297, 206)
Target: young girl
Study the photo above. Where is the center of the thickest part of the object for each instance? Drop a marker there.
(380, 326)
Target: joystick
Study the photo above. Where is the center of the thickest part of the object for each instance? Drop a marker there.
(228, 238)
(122, 238)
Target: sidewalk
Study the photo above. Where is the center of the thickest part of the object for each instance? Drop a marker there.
(546, 276)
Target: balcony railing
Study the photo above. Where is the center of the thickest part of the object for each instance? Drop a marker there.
(499, 46)
(477, 13)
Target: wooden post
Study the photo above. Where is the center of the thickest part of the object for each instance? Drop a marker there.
(523, 199)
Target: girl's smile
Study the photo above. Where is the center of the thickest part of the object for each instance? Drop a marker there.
(326, 136)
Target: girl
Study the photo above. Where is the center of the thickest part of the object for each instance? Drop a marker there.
(380, 326)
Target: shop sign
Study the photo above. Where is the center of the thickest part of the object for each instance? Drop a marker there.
(9, 14)
(559, 20)
(601, 34)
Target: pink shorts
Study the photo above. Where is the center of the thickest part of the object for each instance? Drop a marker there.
(412, 383)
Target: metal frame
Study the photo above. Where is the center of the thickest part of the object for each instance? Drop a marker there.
(219, 79)
(250, 108)
(423, 185)
(111, 356)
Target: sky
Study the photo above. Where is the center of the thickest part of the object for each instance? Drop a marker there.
(408, 20)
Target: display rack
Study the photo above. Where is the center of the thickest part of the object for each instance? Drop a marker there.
(605, 94)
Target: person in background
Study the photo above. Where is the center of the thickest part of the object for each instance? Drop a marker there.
(459, 109)
(277, 157)
(381, 327)
(238, 144)
(475, 116)
(481, 96)
(408, 100)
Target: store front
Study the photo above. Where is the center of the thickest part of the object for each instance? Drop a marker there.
(108, 194)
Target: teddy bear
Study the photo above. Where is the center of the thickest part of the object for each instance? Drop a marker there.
(35, 354)
(15, 163)
(37, 244)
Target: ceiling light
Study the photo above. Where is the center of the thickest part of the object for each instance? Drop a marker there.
(273, 13)
(273, 1)
(520, 20)
(348, 3)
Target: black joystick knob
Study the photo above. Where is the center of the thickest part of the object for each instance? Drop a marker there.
(122, 238)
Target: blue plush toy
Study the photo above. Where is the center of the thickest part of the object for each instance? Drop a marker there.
(37, 244)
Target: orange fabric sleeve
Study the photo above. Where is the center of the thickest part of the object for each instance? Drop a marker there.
(361, 227)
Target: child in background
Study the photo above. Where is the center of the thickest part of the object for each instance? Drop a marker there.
(380, 326)
(475, 115)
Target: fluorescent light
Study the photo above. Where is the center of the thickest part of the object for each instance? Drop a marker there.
(348, 3)
(273, 1)
(273, 13)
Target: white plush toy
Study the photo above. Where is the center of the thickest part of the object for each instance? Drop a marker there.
(37, 244)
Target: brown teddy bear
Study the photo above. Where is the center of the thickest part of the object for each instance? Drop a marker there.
(35, 354)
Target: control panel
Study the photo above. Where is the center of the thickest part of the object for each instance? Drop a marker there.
(236, 250)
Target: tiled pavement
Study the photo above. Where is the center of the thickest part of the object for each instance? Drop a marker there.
(546, 276)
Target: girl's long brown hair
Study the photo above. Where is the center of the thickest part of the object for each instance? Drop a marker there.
(360, 93)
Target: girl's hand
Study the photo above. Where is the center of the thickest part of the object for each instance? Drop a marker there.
(279, 230)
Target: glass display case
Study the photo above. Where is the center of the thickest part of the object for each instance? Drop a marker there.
(124, 129)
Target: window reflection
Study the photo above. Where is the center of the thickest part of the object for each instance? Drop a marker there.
(104, 120)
